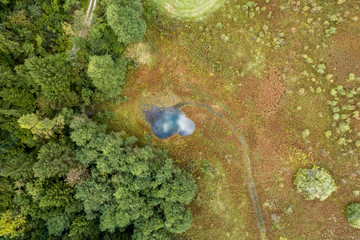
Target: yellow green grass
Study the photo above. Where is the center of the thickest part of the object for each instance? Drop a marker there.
(189, 8)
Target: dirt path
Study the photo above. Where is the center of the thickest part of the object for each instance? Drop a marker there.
(87, 21)
(92, 12)
(88, 10)
(247, 163)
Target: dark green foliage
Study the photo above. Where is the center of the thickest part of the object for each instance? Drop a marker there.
(50, 194)
(70, 4)
(17, 164)
(55, 159)
(6, 194)
(17, 97)
(32, 27)
(57, 224)
(53, 75)
(83, 229)
(86, 95)
(126, 23)
(8, 46)
(16, 91)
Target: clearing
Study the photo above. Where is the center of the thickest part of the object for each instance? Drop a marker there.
(269, 68)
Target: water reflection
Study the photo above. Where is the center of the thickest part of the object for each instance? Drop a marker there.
(166, 122)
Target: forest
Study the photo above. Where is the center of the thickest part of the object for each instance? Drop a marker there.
(64, 173)
(180, 119)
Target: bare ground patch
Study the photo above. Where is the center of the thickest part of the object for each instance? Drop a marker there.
(343, 55)
(269, 93)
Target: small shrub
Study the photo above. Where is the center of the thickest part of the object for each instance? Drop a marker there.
(353, 214)
(314, 183)
(305, 133)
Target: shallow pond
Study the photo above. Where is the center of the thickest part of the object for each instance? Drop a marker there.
(166, 122)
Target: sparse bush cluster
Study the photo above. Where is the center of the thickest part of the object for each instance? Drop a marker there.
(343, 103)
(345, 109)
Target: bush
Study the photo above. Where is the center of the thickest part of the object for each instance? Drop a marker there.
(353, 214)
(314, 183)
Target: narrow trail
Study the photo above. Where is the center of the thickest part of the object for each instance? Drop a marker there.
(87, 21)
(247, 163)
(88, 10)
(91, 14)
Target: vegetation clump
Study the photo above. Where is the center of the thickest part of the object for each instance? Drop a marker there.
(314, 183)
(353, 215)
(11, 225)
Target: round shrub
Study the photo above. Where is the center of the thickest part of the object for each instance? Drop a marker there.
(314, 183)
(353, 214)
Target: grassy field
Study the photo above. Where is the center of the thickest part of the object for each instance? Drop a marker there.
(272, 68)
(189, 8)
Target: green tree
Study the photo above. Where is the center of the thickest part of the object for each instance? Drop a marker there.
(353, 214)
(17, 97)
(17, 164)
(50, 194)
(55, 159)
(126, 23)
(53, 75)
(94, 193)
(107, 75)
(8, 46)
(83, 229)
(12, 225)
(84, 130)
(56, 195)
(6, 194)
(132, 186)
(28, 121)
(45, 128)
(314, 183)
(57, 224)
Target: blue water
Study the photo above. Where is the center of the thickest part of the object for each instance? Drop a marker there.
(166, 122)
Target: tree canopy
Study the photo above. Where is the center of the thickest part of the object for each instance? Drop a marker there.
(64, 173)
(147, 187)
(106, 74)
(126, 23)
